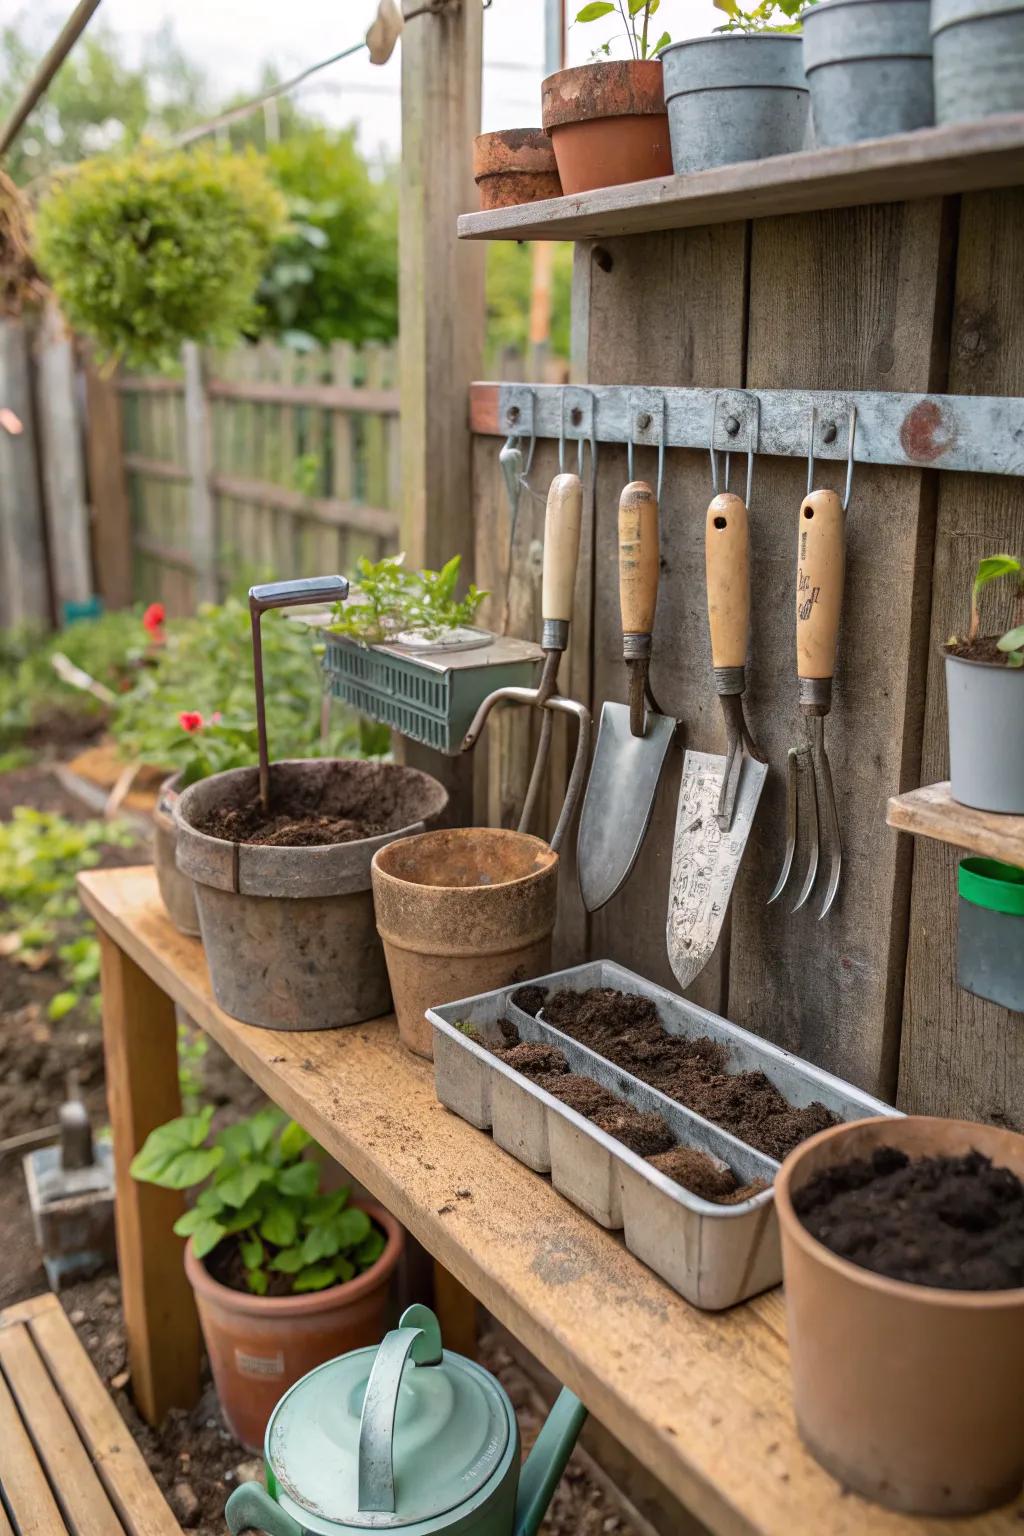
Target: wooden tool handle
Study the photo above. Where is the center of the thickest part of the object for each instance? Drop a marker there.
(638, 558)
(561, 546)
(727, 561)
(820, 571)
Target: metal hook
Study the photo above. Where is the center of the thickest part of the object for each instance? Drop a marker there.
(630, 444)
(561, 441)
(851, 441)
(728, 457)
(810, 450)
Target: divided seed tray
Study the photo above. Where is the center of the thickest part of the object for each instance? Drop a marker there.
(713, 1255)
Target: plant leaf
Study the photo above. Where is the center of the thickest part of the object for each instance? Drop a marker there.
(343, 1268)
(61, 1004)
(263, 1124)
(663, 42)
(206, 1237)
(252, 1252)
(1013, 640)
(280, 1226)
(370, 1249)
(240, 1184)
(289, 1261)
(293, 1141)
(322, 1242)
(352, 1227)
(314, 1277)
(595, 10)
(991, 568)
(173, 1155)
(236, 1141)
(257, 1281)
(300, 1179)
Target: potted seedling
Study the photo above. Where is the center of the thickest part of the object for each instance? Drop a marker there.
(979, 58)
(607, 118)
(740, 94)
(869, 68)
(286, 1274)
(985, 691)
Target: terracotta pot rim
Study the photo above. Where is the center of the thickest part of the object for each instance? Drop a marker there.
(924, 1295)
(309, 1302)
(519, 151)
(533, 876)
(642, 92)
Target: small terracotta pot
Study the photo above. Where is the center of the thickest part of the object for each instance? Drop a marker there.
(514, 166)
(259, 1346)
(460, 912)
(608, 123)
(906, 1393)
(176, 890)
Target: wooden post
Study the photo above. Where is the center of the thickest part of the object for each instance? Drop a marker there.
(108, 493)
(202, 525)
(24, 588)
(67, 516)
(140, 1048)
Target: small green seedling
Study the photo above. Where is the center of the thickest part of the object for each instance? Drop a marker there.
(636, 15)
(395, 601)
(994, 568)
(764, 17)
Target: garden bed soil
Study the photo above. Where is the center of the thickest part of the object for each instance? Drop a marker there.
(625, 1028)
(955, 1223)
(984, 648)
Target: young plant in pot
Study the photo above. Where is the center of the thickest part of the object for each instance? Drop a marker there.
(286, 1274)
(985, 694)
(280, 860)
(607, 118)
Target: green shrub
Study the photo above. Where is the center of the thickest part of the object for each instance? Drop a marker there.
(149, 250)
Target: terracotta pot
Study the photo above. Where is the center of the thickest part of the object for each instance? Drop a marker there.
(514, 166)
(608, 123)
(460, 912)
(906, 1393)
(176, 890)
(259, 1346)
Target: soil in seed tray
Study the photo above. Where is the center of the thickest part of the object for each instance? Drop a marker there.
(625, 1028)
(984, 648)
(956, 1223)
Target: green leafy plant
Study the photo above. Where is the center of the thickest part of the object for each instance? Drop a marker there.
(763, 17)
(148, 250)
(636, 16)
(392, 600)
(260, 1191)
(34, 701)
(995, 568)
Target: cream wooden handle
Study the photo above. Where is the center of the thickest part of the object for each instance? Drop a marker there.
(638, 558)
(561, 546)
(820, 571)
(727, 562)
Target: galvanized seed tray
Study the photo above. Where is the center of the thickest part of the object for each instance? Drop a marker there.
(713, 1255)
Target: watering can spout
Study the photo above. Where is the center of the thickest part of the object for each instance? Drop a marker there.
(547, 1461)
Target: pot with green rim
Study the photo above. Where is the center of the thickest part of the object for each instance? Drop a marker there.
(403, 1437)
(990, 946)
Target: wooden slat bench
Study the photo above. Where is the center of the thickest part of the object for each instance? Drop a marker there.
(68, 1463)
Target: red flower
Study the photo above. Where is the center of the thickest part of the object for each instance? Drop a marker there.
(190, 720)
(153, 620)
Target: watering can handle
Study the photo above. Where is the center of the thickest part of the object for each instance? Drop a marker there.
(547, 1461)
(418, 1335)
(251, 1508)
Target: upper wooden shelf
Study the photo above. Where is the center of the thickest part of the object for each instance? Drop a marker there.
(932, 812)
(962, 157)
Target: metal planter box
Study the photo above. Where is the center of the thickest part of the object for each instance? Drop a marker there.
(713, 1255)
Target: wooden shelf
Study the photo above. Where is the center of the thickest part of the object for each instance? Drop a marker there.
(932, 812)
(702, 1399)
(962, 157)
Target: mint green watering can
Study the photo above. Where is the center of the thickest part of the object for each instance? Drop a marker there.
(405, 1437)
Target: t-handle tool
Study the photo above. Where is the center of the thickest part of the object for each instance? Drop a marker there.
(282, 594)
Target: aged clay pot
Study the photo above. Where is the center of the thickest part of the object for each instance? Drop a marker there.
(289, 933)
(461, 911)
(608, 123)
(259, 1346)
(176, 890)
(908, 1394)
(514, 166)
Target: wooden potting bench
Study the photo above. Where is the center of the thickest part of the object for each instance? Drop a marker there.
(703, 1400)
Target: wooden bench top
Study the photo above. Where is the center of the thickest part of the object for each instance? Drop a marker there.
(68, 1463)
(703, 1400)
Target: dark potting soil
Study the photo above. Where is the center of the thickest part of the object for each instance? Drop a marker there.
(956, 1223)
(322, 803)
(984, 648)
(625, 1028)
(285, 827)
(226, 1266)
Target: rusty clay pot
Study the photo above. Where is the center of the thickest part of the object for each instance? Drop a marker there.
(514, 166)
(608, 123)
(289, 933)
(259, 1346)
(461, 911)
(176, 891)
(906, 1393)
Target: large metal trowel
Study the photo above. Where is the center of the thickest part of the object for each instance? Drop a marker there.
(718, 796)
(634, 738)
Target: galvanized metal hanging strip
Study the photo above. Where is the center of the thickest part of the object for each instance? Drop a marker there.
(979, 434)
(647, 425)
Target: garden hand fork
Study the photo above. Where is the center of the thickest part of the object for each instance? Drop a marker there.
(820, 572)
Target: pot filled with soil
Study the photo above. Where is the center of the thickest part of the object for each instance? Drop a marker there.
(175, 888)
(979, 58)
(515, 165)
(990, 939)
(735, 96)
(903, 1259)
(985, 695)
(608, 123)
(461, 911)
(869, 68)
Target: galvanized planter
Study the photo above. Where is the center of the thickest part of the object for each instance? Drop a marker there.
(713, 1255)
(869, 67)
(986, 734)
(979, 58)
(734, 97)
(990, 939)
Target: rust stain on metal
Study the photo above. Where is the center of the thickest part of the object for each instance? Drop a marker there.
(926, 433)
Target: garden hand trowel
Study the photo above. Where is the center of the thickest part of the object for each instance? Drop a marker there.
(633, 739)
(718, 796)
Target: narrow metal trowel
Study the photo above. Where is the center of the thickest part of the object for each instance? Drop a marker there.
(634, 738)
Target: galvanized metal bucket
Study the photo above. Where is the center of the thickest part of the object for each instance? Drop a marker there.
(990, 942)
(734, 97)
(979, 58)
(986, 734)
(869, 67)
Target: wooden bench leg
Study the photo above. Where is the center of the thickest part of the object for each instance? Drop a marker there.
(456, 1311)
(140, 1045)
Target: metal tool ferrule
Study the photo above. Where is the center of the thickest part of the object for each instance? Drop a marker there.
(636, 647)
(555, 634)
(815, 695)
(730, 680)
